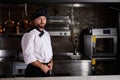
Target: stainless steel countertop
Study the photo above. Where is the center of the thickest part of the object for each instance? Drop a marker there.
(108, 77)
(68, 61)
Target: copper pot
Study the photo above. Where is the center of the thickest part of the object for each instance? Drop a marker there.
(22, 25)
(9, 24)
(31, 24)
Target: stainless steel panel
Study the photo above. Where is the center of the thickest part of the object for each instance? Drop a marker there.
(19, 68)
(59, 21)
(58, 17)
(60, 33)
(104, 31)
(8, 53)
(72, 68)
(57, 28)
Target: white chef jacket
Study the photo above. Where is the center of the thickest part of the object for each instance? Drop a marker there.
(35, 47)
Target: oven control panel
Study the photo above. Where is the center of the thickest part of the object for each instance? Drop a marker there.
(104, 31)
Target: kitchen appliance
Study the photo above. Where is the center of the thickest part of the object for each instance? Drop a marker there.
(58, 25)
(6, 62)
(19, 68)
(9, 47)
(101, 43)
(72, 67)
(8, 55)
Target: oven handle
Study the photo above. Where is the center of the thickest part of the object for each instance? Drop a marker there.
(94, 48)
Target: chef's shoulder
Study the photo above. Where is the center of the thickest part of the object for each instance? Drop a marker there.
(33, 32)
(30, 34)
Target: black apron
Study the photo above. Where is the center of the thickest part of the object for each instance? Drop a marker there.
(33, 71)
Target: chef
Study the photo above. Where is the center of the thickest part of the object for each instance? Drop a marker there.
(36, 47)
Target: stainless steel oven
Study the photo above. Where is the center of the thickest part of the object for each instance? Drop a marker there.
(101, 44)
(58, 25)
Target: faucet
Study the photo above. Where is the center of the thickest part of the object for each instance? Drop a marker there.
(75, 52)
(75, 47)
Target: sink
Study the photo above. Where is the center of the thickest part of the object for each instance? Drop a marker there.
(75, 57)
(67, 56)
(61, 58)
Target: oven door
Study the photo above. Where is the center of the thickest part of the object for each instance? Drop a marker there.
(104, 46)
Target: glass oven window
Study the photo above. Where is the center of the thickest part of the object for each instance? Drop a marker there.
(104, 45)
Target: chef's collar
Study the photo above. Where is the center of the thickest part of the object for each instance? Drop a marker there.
(41, 32)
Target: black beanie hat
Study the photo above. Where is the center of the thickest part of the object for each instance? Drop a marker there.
(39, 12)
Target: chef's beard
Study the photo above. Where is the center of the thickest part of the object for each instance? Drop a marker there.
(42, 25)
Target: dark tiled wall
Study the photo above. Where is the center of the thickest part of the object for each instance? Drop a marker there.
(83, 16)
(96, 17)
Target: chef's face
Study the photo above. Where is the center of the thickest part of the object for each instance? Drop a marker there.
(40, 21)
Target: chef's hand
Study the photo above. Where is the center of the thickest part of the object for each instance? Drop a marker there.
(45, 68)
(50, 65)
